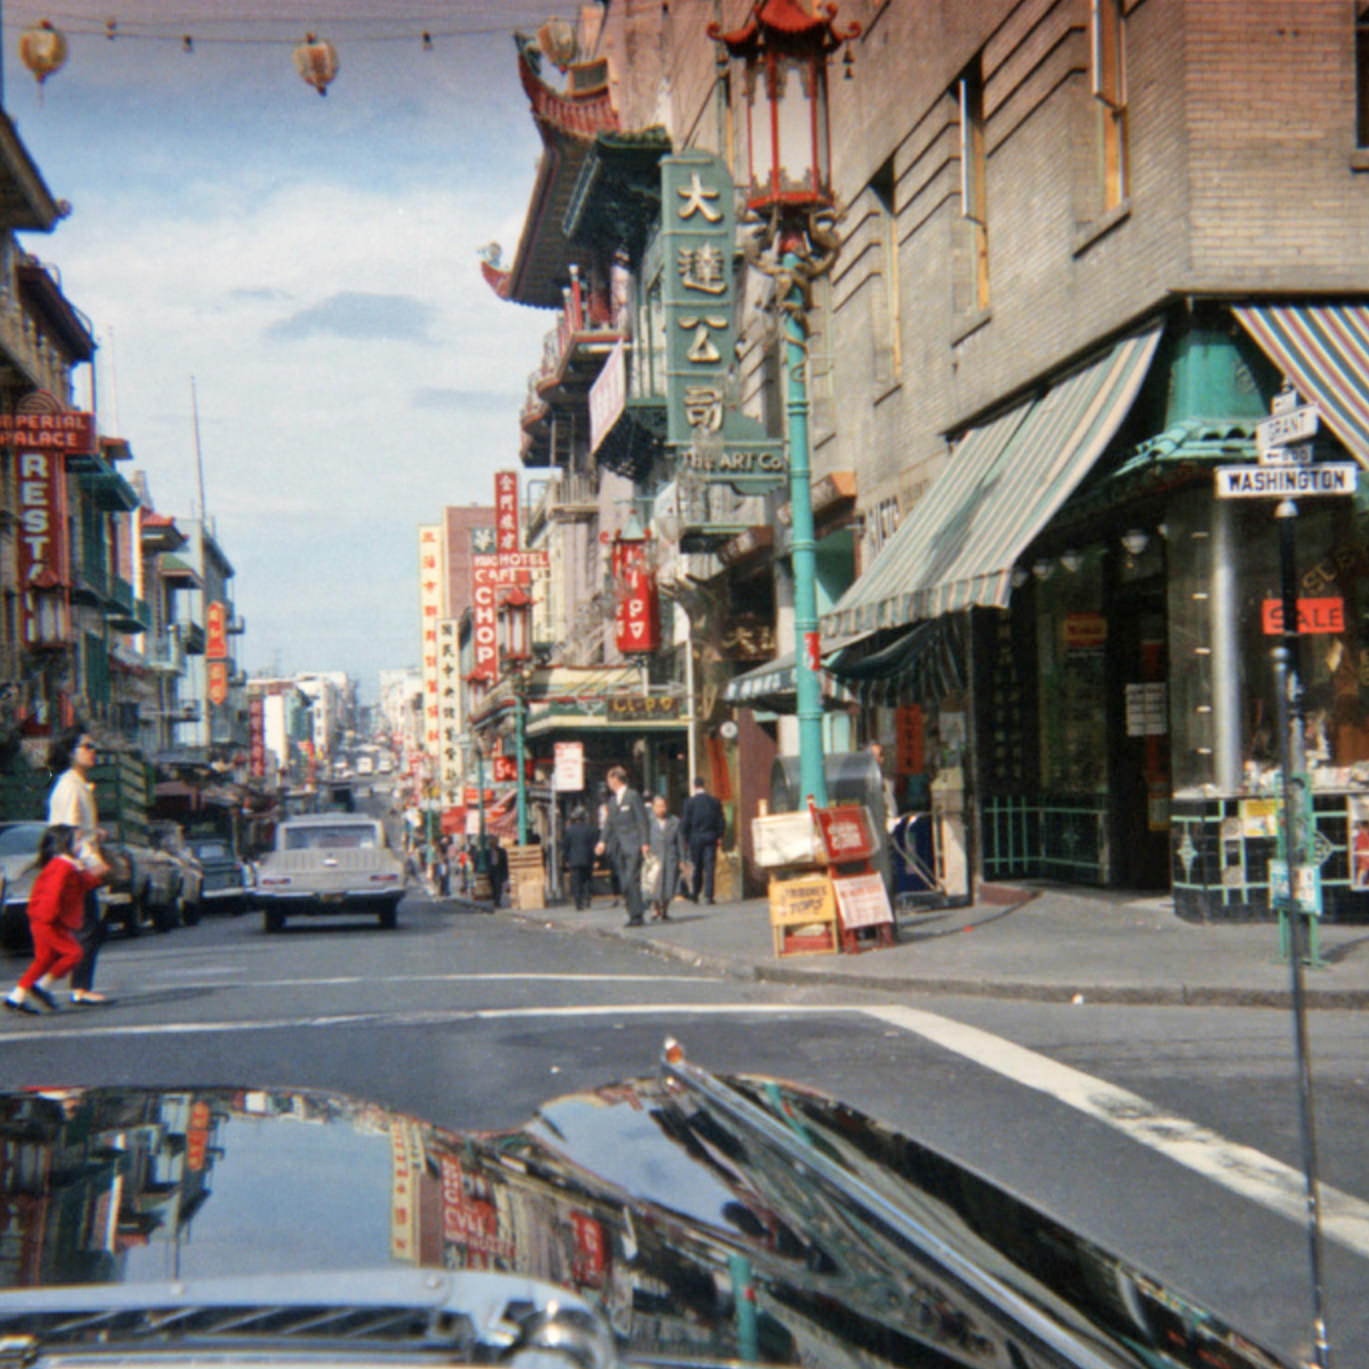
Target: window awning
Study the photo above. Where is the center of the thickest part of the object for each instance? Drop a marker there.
(774, 687)
(1324, 350)
(1000, 486)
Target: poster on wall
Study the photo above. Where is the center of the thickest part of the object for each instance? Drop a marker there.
(1359, 841)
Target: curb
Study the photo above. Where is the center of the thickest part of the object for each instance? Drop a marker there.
(1178, 995)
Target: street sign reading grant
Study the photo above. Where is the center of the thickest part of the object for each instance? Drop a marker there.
(1286, 482)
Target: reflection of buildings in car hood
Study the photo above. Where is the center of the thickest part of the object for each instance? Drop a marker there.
(722, 1219)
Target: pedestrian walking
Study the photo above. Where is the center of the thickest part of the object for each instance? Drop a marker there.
(580, 840)
(56, 910)
(71, 803)
(702, 825)
(444, 868)
(497, 865)
(667, 851)
(625, 839)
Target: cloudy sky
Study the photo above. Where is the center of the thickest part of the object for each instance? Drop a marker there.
(312, 264)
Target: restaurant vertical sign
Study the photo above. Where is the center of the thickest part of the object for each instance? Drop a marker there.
(41, 436)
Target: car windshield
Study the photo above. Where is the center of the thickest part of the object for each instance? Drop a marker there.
(21, 839)
(340, 838)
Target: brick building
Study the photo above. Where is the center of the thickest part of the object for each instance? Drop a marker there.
(1083, 245)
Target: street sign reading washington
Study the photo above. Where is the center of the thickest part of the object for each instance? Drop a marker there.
(1286, 482)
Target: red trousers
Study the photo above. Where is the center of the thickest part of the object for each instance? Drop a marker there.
(55, 952)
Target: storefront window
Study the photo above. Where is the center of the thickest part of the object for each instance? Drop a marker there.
(1072, 650)
(1188, 523)
(1333, 607)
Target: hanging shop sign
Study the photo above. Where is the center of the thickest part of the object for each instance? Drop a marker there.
(637, 616)
(216, 682)
(431, 579)
(506, 511)
(698, 237)
(256, 736)
(42, 520)
(216, 630)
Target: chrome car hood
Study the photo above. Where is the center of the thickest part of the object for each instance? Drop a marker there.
(689, 1218)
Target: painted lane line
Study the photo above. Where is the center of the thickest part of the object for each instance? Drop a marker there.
(493, 978)
(1242, 1169)
(89, 1028)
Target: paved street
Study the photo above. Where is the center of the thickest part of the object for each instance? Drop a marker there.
(1169, 1132)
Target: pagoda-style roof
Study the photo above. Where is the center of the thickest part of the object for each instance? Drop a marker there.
(25, 200)
(42, 293)
(568, 121)
(617, 195)
(786, 19)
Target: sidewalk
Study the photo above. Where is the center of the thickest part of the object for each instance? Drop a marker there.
(1105, 947)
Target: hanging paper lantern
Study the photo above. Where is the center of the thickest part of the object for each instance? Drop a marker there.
(43, 50)
(316, 62)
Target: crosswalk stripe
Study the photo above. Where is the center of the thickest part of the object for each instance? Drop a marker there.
(1242, 1169)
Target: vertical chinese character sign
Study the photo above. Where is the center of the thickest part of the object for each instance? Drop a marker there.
(484, 622)
(697, 233)
(713, 438)
(431, 581)
(449, 704)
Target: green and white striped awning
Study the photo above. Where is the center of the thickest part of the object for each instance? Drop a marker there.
(999, 488)
(1324, 350)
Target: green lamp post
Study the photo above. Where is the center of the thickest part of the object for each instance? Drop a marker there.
(783, 48)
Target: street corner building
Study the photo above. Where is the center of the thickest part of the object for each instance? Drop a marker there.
(976, 445)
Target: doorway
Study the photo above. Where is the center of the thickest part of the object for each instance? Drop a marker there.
(1140, 778)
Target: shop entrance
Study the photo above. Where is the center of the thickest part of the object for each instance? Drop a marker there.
(1140, 778)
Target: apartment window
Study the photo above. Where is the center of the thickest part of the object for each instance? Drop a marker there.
(1107, 33)
(1362, 76)
(974, 197)
(882, 188)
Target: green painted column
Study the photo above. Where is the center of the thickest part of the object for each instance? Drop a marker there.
(519, 753)
(803, 547)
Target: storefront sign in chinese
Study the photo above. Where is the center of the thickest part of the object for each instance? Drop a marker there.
(256, 736)
(1315, 616)
(216, 682)
(506, 511)
(641, 707)
(431, 580)
(216, 630)
(698, 237)
(449, 703)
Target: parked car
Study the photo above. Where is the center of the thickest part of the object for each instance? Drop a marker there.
(330, 863)
(225, 881)
(690, 1219)
(169, 839)
(143, 889)
(18, 851)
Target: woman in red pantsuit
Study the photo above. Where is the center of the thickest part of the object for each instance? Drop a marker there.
(56, 908)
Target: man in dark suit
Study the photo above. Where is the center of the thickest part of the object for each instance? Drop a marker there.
(625, 839)
(702, 825)
(581, 838)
